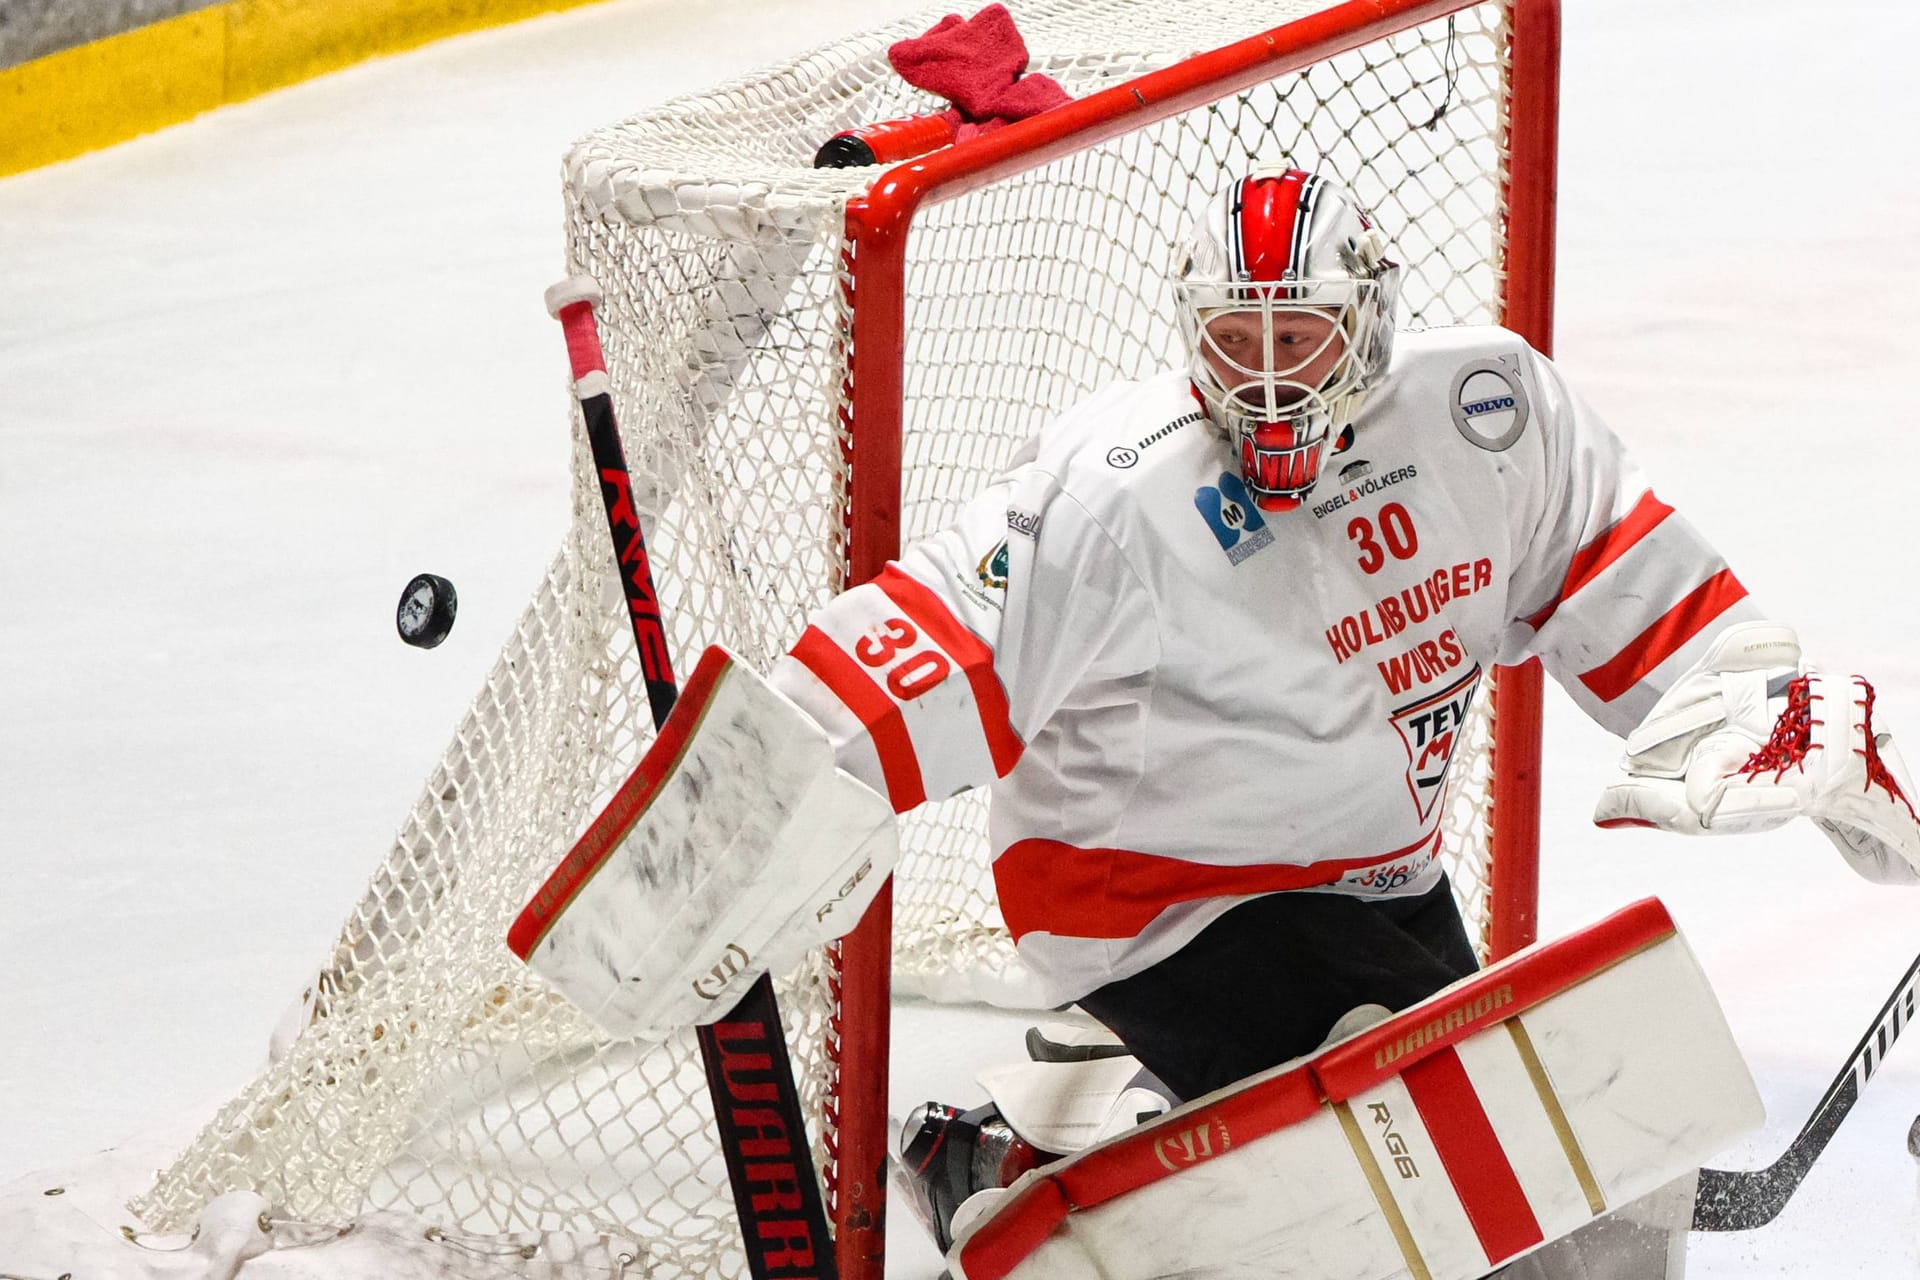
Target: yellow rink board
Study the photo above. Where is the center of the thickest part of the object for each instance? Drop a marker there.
(105, 92)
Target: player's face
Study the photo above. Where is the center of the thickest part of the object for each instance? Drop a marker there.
(1301, 348)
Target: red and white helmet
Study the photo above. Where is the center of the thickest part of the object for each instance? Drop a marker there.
(1282, 252)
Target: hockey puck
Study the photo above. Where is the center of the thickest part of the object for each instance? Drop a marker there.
(426, 611)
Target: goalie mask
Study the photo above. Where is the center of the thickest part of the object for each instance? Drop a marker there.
(1286, 304)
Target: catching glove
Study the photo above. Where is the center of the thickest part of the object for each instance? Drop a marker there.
(1747, 739)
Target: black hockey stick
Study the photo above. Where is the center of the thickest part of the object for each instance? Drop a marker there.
(783, 1223)
(1740, 1200)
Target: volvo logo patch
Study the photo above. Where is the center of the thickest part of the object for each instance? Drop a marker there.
(1490, 403)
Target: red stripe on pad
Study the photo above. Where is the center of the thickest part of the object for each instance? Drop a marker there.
(1475, 1162)
(1137, 1159)
(1665, 637)
(1609, 546)
(623, 811)
(1054, 887)
(932, 616)
(880, 714)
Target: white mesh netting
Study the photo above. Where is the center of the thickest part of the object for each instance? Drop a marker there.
(432, 1075)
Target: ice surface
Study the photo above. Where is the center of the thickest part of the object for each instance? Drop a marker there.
(257, 371)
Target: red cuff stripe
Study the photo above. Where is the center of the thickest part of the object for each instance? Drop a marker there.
(1609, 546)
(1475, 1162)
(932, 616)
(1053, 887)
(849, 681)
(1665, 637)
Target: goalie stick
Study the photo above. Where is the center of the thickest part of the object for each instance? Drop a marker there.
(784, 1226)
(1741, 1200)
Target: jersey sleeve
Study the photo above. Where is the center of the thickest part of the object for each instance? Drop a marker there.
(1620, 593)
(931, 677)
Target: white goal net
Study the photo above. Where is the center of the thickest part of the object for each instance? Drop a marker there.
(433, 1075)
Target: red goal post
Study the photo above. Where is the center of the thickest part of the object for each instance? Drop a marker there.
(812, 368)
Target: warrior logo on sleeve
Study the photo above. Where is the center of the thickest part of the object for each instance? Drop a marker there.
(1428, 728)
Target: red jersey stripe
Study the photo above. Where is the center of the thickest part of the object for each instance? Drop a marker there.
(1603, 550)
(1053, 887)
(1475, 1162)
(931, 615)
(849, 681)
(1665, 637)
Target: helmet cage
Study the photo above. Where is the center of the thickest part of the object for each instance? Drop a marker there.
(1279, 403)
(1275, 388)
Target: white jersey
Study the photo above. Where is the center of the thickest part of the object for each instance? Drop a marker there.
(1180, 702)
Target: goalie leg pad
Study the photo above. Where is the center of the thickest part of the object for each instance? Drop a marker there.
(1503, 1113)
(1646, 1240)
(1068, 1106)
(734, 846)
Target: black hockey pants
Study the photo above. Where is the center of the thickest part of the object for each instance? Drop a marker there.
(1266, 981)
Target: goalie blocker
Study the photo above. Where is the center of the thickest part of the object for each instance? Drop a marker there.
(1503, 1113)
(733, 847)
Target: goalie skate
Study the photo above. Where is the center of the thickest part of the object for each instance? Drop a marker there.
(947, 1155)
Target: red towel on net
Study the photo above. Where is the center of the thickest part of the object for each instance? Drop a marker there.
(979, 65)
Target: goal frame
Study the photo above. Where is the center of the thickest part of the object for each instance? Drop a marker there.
(878, 227)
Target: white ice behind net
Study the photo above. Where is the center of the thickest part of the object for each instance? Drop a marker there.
(434, 1076)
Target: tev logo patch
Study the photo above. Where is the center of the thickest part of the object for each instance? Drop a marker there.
(1237, 524)
(1429, 728)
